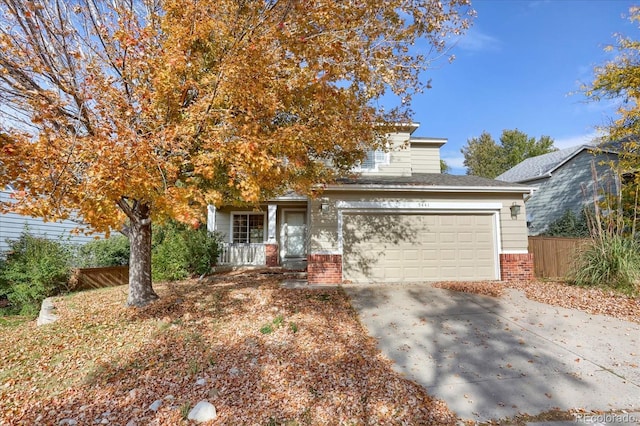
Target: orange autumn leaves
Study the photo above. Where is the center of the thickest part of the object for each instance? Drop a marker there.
(179, 104)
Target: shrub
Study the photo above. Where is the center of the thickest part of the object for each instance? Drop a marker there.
(569, 225)
(113, 251)
(180, 252)
(609, 260)
(34, 269)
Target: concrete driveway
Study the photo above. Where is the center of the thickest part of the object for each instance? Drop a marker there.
(492, 358)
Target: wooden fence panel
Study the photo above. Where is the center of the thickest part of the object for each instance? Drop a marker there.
(88, 278)
(553, 256)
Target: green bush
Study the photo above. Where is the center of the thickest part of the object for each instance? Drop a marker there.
(609, 261)
(569, 225)
(34, 269)
(180, 252)
(113, 251)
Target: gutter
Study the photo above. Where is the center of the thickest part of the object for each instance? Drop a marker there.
(430, 188)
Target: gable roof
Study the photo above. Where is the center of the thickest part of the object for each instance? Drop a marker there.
(543, 165)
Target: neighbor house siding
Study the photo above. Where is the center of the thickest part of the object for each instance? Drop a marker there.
(425, 158)
(12, 225)
(570, 187)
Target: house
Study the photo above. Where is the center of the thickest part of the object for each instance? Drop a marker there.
(564, 180)
(12, 225)
(400, 220)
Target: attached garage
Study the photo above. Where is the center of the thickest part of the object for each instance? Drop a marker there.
(387, 247)
(418, 228)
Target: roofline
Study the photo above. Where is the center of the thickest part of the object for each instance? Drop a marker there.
(585, 147)
(428, 141)
(410, 126)
(430, 188)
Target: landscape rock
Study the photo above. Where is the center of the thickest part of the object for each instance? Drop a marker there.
(202, 412)
(69, 422)
(46, 315)
(155, 405)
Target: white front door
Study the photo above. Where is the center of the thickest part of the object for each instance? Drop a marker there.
(295, 233)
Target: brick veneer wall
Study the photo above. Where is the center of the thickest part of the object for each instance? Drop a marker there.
(324, 269)
(515, 267)
(271, 254)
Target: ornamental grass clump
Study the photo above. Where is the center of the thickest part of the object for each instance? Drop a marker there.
(611, 261)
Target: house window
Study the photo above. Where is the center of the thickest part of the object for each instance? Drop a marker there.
(372, 160)
(248, 227)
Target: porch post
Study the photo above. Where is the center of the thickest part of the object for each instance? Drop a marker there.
(271, 246)
(211, 218)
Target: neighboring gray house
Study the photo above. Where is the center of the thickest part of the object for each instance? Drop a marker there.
(564, 180)
(12, 225)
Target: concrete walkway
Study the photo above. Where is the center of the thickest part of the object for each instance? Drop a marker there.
(492, 358)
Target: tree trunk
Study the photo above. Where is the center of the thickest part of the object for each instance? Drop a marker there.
(140, 286)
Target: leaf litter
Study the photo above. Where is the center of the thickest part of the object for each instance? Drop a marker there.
(105, 363)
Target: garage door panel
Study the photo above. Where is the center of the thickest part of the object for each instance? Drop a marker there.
(425, 247)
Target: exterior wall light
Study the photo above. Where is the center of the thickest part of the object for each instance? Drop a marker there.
(515, 210)
(324, 205)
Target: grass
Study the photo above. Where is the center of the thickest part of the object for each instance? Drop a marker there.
(13, 321)
(611, 261)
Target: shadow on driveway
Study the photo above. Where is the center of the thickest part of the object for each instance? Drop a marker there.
(492, 358)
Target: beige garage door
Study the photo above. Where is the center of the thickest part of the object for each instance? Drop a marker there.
(389, 248)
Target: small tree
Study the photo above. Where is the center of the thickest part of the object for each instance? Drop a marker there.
(618, 80)
(133, 112)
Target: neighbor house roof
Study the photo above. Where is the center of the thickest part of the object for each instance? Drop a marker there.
(429, 182)
(543, 165)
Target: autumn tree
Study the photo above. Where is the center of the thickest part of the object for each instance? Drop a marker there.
(618, 79)
(132, 112)
(484, 157)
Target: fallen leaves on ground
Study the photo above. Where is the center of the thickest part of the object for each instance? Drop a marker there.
(588, 299)
(260, 353)
(487, 288)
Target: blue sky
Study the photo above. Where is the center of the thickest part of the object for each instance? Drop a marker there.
(517, 67)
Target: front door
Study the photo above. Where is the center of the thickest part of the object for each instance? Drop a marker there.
(295, 233)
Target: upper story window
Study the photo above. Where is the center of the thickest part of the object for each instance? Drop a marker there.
(373, 160)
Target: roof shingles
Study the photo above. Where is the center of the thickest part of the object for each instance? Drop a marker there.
(537, 167)
(429, 179)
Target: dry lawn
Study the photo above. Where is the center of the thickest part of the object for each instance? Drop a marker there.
(263, 355)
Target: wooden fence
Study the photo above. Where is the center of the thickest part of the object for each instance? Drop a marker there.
(88, 278)
(553, 256)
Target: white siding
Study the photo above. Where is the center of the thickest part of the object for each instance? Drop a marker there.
(12, 225)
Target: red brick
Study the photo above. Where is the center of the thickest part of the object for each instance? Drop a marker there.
(271, 254)
(324, 269)
(515, 267)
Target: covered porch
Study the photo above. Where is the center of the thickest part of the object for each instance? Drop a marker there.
(272, 234)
